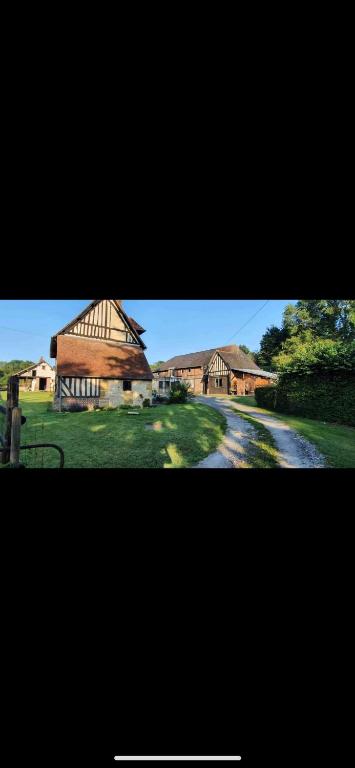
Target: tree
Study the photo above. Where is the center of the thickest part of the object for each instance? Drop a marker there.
(8, 369)
(247, 351)
(270, 346)
(154, 366)
(321, 319)
(304, 323)
(316, 355)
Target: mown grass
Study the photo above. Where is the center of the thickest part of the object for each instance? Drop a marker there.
(336, 442)
(182, 435)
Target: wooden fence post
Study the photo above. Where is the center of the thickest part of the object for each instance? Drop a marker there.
(15, 437)
(12, 402)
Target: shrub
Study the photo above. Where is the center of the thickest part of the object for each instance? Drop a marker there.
(265, 397)
(76, 408)
(146, 403)
(179, 392)
(159, 399)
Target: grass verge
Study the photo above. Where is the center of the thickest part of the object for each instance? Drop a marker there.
(167, 436)
(336, 442)
(261, 450)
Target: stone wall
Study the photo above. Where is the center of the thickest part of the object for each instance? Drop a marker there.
(112, 394)
(68, 402)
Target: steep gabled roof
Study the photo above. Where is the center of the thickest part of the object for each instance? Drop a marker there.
(34, 365)
(118, 304)
(232, 355)
(101, 359)
(136, 326)
(237, 359)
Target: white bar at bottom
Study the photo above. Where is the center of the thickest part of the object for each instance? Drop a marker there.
(177, 757)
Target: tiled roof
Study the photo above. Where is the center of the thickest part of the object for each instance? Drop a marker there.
(136, 325)
(78, 356)
(231, 354)
(34, 365)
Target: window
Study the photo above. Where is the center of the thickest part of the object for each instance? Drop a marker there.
(43, 367)
(219, 383)
(161, 385)
(33, 373)
(127, 386)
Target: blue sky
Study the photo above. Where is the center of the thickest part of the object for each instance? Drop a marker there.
(173, 327)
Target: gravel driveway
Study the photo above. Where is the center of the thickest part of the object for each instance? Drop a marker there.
(294, 452)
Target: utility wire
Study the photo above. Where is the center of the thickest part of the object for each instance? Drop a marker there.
(27, 333)
(249, 321)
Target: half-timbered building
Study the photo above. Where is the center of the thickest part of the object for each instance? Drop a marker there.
(226, 370)
(39, 377)
(100, 359)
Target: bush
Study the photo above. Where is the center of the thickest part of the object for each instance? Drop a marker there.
(146, 403)
(76, 408)
(179, 392)
(159, 399)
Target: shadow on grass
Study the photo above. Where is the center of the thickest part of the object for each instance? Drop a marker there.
(186, 434)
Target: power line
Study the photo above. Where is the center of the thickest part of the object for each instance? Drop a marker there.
(248, 321)
(27, 333)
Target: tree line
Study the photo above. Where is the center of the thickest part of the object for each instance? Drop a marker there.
(320, 330)
(8, 369)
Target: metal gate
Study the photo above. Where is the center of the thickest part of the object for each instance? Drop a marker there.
(11, 422)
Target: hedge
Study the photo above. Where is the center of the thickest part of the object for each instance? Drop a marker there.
(325, 396)
(265, 397)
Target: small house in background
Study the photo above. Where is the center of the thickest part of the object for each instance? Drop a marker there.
(226, 370)
(37, 378)
(100, 359)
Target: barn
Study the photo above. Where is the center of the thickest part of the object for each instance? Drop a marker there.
(100, 359)
(224, 370)
(37, 378)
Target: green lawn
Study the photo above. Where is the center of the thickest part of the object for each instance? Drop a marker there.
(335, 441)
(167, 436)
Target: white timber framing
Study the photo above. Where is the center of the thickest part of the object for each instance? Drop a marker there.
(217, 366)
(100, 322)
(73, 386)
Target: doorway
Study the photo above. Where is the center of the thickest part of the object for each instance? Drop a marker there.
(42, 385)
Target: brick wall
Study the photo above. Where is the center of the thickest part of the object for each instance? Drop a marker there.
(245, 383)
